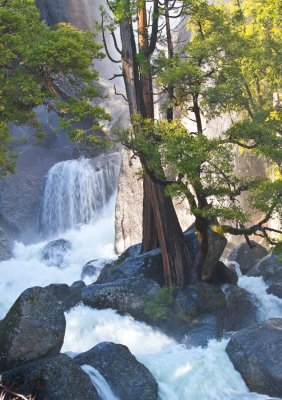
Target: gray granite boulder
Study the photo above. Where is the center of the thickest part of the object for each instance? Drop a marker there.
(127, 296)
(51, 378)
(247, 257)
(270, 268)
(127, 377)
(256, 353)
(34, 327)
(241, 308)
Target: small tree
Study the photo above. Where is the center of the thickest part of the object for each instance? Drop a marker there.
(231, 65)
(33, 57)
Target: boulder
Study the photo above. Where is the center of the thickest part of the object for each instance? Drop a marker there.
(276, 290)
(217, 245)
(256, 353)
(247, 257)
(66, 296)
(34, 327)
(223, 274)
(127, 296)
(128, 378)
(202, 330)
(132, 264)
(51, 378)
(134, 286)
(200, 306)
(270, 268)
(241, 308)
(92, 269)
(53, 253)
(6, 246)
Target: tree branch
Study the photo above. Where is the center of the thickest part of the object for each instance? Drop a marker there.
(120, 94)
(106, 46)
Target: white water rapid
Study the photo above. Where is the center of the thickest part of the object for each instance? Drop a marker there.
(182, 374)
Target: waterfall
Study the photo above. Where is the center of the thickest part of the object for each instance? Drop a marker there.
(100, 383)
(76, 191)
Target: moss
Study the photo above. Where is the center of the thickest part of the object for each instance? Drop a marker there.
(159, 305)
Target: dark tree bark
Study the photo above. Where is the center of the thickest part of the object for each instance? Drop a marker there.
(160, 223)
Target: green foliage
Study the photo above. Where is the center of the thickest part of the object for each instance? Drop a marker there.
(33, 57)
(160, 304)
(231, 65)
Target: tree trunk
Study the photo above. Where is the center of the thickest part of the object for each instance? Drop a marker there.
(161, 227)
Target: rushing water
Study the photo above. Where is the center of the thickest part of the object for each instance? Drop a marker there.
(103, 389)
(76, 191)
(182, 374)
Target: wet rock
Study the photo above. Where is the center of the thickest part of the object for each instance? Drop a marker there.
(127, 296)
(256, 354)
(200, 305)
(203, 330)
(270, 268)
(34, 327)
(66, 296)
(6, 246)
(223, 274)
(54, 252)
(51, 378)
(92, 269)
(276, 290)
(247, 257)
(129, 265)
(241, 308)
(128, 378)
(134, 286)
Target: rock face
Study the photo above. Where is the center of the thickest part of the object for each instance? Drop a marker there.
(256, 354)
(128, 378)
(5, 246)
(51, 378)
(241, 309)
(247, 257)
(54, 252)
(34, 327)
(270, 268)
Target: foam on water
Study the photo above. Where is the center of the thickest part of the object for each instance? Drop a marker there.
(26, 268)
(269, 306)
(182, 374)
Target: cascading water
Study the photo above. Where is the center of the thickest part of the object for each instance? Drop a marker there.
(100, 383)
(76, 191)
(182, 374)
